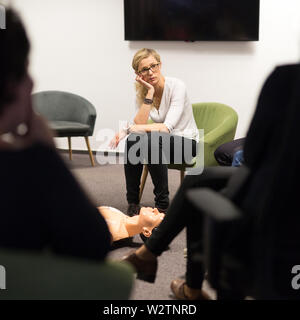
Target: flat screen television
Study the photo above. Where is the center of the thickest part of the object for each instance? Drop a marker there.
(192, 20)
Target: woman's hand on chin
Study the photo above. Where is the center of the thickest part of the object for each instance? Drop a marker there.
(145, 84)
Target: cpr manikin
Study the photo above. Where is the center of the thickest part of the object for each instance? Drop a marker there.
(122, 226)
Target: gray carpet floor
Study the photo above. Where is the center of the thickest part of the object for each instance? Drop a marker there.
(105, 185)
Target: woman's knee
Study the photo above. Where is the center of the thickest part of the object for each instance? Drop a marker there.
(132, 139)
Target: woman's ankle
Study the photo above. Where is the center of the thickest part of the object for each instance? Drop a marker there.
(145, 254)
(192, 293)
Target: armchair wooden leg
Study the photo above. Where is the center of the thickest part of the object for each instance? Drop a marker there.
(182, 174)
(143, 181)
(70, 147)
(90, 151)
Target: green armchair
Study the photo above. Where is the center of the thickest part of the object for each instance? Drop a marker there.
(45, 276)
(219, 123)
(69, 115)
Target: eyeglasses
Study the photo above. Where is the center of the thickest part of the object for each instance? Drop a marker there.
(153, 68)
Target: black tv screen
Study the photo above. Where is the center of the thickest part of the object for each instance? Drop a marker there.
(192, 20)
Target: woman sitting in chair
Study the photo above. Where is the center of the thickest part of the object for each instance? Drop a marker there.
(174, 131)
(268, 195)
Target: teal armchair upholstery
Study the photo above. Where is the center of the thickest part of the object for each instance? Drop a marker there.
(45, 276)
(69, 115)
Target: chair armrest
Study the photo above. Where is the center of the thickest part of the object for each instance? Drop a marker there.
(220, 222)
(213, 137)
(214, 204)
(33, 275)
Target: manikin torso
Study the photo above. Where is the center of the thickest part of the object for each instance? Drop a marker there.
(116, 221)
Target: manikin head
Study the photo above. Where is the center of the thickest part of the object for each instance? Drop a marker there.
(149, 218)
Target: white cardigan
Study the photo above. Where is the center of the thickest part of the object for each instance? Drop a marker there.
(175, 110)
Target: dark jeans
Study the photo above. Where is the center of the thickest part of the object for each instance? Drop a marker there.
(182, 214)
(157, 150)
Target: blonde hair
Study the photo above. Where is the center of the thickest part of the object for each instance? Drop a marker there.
(144, 53)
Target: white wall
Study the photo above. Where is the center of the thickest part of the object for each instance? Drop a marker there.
(79, 46)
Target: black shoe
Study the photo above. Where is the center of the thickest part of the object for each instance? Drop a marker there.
(146, 270)
(133, 209)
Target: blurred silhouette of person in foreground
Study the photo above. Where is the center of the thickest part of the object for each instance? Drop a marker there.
(42, 205)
